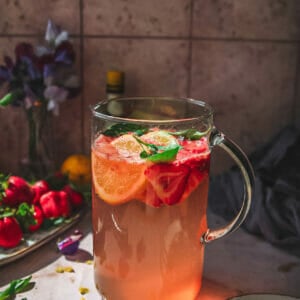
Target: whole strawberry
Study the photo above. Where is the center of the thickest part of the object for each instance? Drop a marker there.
(55, 204)
(40, 188)
(76, 198)
(38, 217)
(17, 191)
(10, 232)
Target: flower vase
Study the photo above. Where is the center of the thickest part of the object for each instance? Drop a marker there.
(39, 162)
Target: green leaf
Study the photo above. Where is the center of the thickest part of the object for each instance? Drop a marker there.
(15, 287)
(25, 215)
(156, 153)
(7, 99)
(3, 185)
(122, 128)
(165, 156)
(190, 134)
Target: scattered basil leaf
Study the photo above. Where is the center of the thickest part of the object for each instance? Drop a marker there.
(190, 134)
(15, 287)
(122, 128)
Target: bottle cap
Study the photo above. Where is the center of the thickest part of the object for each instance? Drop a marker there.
(115, 82)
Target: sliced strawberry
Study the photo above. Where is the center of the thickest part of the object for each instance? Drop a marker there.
(194, 179)
(10, 232)
(40, 188)
(195, 146)
(195, 154)
(150, 197)
(168, 181)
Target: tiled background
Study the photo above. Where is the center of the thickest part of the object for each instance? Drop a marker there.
(241, 56)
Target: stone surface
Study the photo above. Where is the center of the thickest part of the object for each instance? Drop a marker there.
(30, 16)
(149, 18)
(239, 55)
(254, 19)
(252, 100)
(149, 69)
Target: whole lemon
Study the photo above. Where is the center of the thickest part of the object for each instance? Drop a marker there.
(78, 168)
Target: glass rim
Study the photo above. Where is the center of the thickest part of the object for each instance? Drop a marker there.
(207, 113)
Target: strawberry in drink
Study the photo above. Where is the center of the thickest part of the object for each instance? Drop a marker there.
(150, 191)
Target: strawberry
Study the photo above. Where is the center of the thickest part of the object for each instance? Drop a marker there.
(168, 182)
(10, 232)
(149, 196)
(18, 191)
(194, 179)
(194, 154)
(39, 218)
(75, 197)
(55, 204)
(40, 188)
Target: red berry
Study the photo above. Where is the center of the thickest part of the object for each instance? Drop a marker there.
(39, 218)
(18, 191)
(10, 232)
(168, 181)
(55, 204)
(40, 188)
(194, 179)
(76, 198)
(151, 197)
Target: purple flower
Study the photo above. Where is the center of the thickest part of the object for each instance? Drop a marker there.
(55, 96)
(44, 73)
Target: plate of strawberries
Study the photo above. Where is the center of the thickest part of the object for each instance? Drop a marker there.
(33, 213)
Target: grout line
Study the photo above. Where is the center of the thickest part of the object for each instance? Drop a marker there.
(81, 41)
(190, 51)
(200, 38)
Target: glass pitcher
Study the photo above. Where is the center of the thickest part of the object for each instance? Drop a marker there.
(150, 167)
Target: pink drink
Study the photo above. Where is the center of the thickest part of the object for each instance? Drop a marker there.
(149, 246)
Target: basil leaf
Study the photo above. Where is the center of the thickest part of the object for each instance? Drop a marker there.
(25, 215)
(167, 155)
(122, 128)
(15, 287)
(190, 134)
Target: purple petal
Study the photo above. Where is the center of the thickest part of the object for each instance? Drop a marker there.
(63, 57)
(63, 36)
(4, 74)
(70, 244)
(48, 70)
(51, 32)
(56, 93)
(32, 71)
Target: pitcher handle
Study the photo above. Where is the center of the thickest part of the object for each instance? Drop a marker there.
(217, 138)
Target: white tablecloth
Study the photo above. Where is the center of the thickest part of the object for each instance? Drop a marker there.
(238, 264)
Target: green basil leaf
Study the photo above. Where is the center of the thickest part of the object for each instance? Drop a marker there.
(25, 215)
(190, 134)
(15, 287)
(167, 155)
(122, 128)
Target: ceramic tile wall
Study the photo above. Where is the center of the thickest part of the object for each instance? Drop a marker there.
(241, 56)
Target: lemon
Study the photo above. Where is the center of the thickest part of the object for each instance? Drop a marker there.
(78, 168)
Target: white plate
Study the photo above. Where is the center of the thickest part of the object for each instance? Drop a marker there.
(263, 297)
